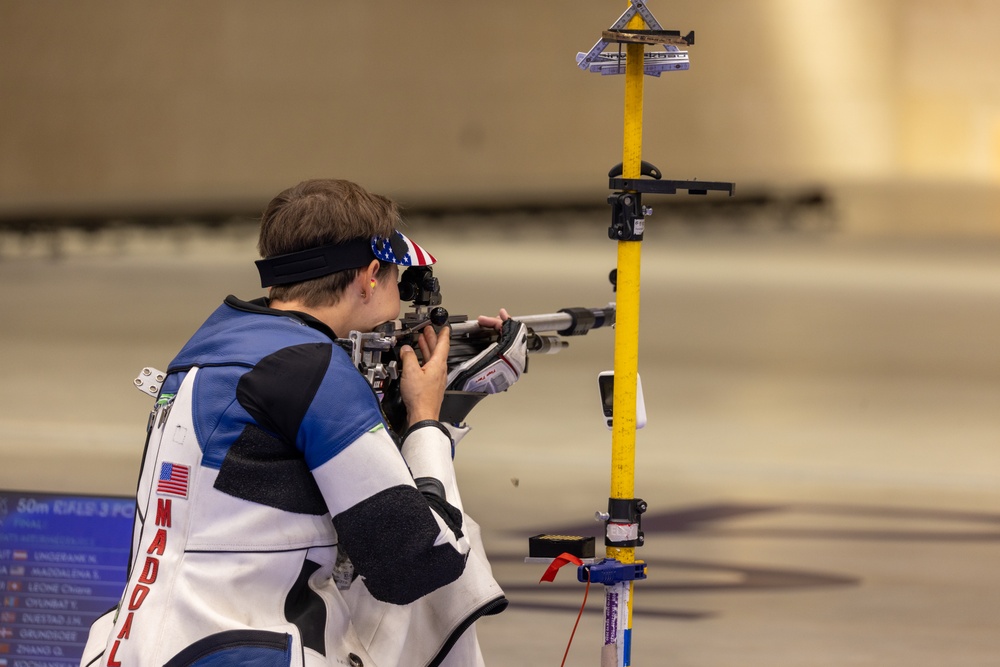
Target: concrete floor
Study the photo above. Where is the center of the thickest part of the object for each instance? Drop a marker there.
(821, 464)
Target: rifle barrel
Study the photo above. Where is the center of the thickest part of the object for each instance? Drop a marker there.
(577, 320)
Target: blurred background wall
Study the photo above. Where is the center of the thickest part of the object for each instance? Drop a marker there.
(891, 107)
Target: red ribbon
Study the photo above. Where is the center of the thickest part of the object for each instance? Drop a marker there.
(558, 562)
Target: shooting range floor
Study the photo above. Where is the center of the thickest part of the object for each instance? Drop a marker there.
(821, 464)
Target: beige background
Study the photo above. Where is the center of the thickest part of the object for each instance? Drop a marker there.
(894, 105)
(821, 461)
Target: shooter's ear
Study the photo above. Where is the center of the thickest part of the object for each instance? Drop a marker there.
(371, 271)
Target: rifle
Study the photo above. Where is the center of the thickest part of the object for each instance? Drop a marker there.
(376, 353)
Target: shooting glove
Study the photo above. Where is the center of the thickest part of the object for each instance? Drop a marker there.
(498, 366)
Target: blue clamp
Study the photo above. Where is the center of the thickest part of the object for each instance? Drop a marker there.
(609, 571)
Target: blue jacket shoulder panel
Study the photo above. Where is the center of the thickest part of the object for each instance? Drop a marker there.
(344, 408)
(269, 369)
(235, 336)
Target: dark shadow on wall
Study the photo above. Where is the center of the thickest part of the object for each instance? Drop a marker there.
(798, 521)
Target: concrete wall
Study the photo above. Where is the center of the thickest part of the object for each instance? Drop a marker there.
(893, 104)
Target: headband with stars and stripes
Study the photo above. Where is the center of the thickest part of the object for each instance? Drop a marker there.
(316, 262)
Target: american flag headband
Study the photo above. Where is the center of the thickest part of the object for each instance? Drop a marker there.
(323, 260)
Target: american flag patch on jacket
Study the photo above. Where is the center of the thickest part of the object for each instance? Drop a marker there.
(173, 480)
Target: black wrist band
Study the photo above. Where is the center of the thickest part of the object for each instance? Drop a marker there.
(429, 422)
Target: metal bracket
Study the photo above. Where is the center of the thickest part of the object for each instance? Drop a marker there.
(150, 381)
(672, 59)
(694, 187)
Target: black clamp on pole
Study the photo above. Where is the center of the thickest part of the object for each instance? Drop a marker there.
(623, 524)
(628, 215)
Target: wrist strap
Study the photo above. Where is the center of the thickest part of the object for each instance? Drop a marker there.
(429, 422)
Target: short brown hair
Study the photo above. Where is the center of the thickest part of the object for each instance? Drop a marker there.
(319, 212)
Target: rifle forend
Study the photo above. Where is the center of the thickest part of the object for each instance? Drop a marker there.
(545, 331)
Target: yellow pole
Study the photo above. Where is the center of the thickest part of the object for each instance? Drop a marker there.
(627, 339)
(627, 316)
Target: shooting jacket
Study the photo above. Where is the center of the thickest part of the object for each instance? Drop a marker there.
(279, 524)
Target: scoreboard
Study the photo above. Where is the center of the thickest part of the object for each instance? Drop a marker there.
(63, 563)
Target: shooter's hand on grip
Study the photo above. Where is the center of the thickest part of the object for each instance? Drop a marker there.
(487, 322)
(422, 387)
